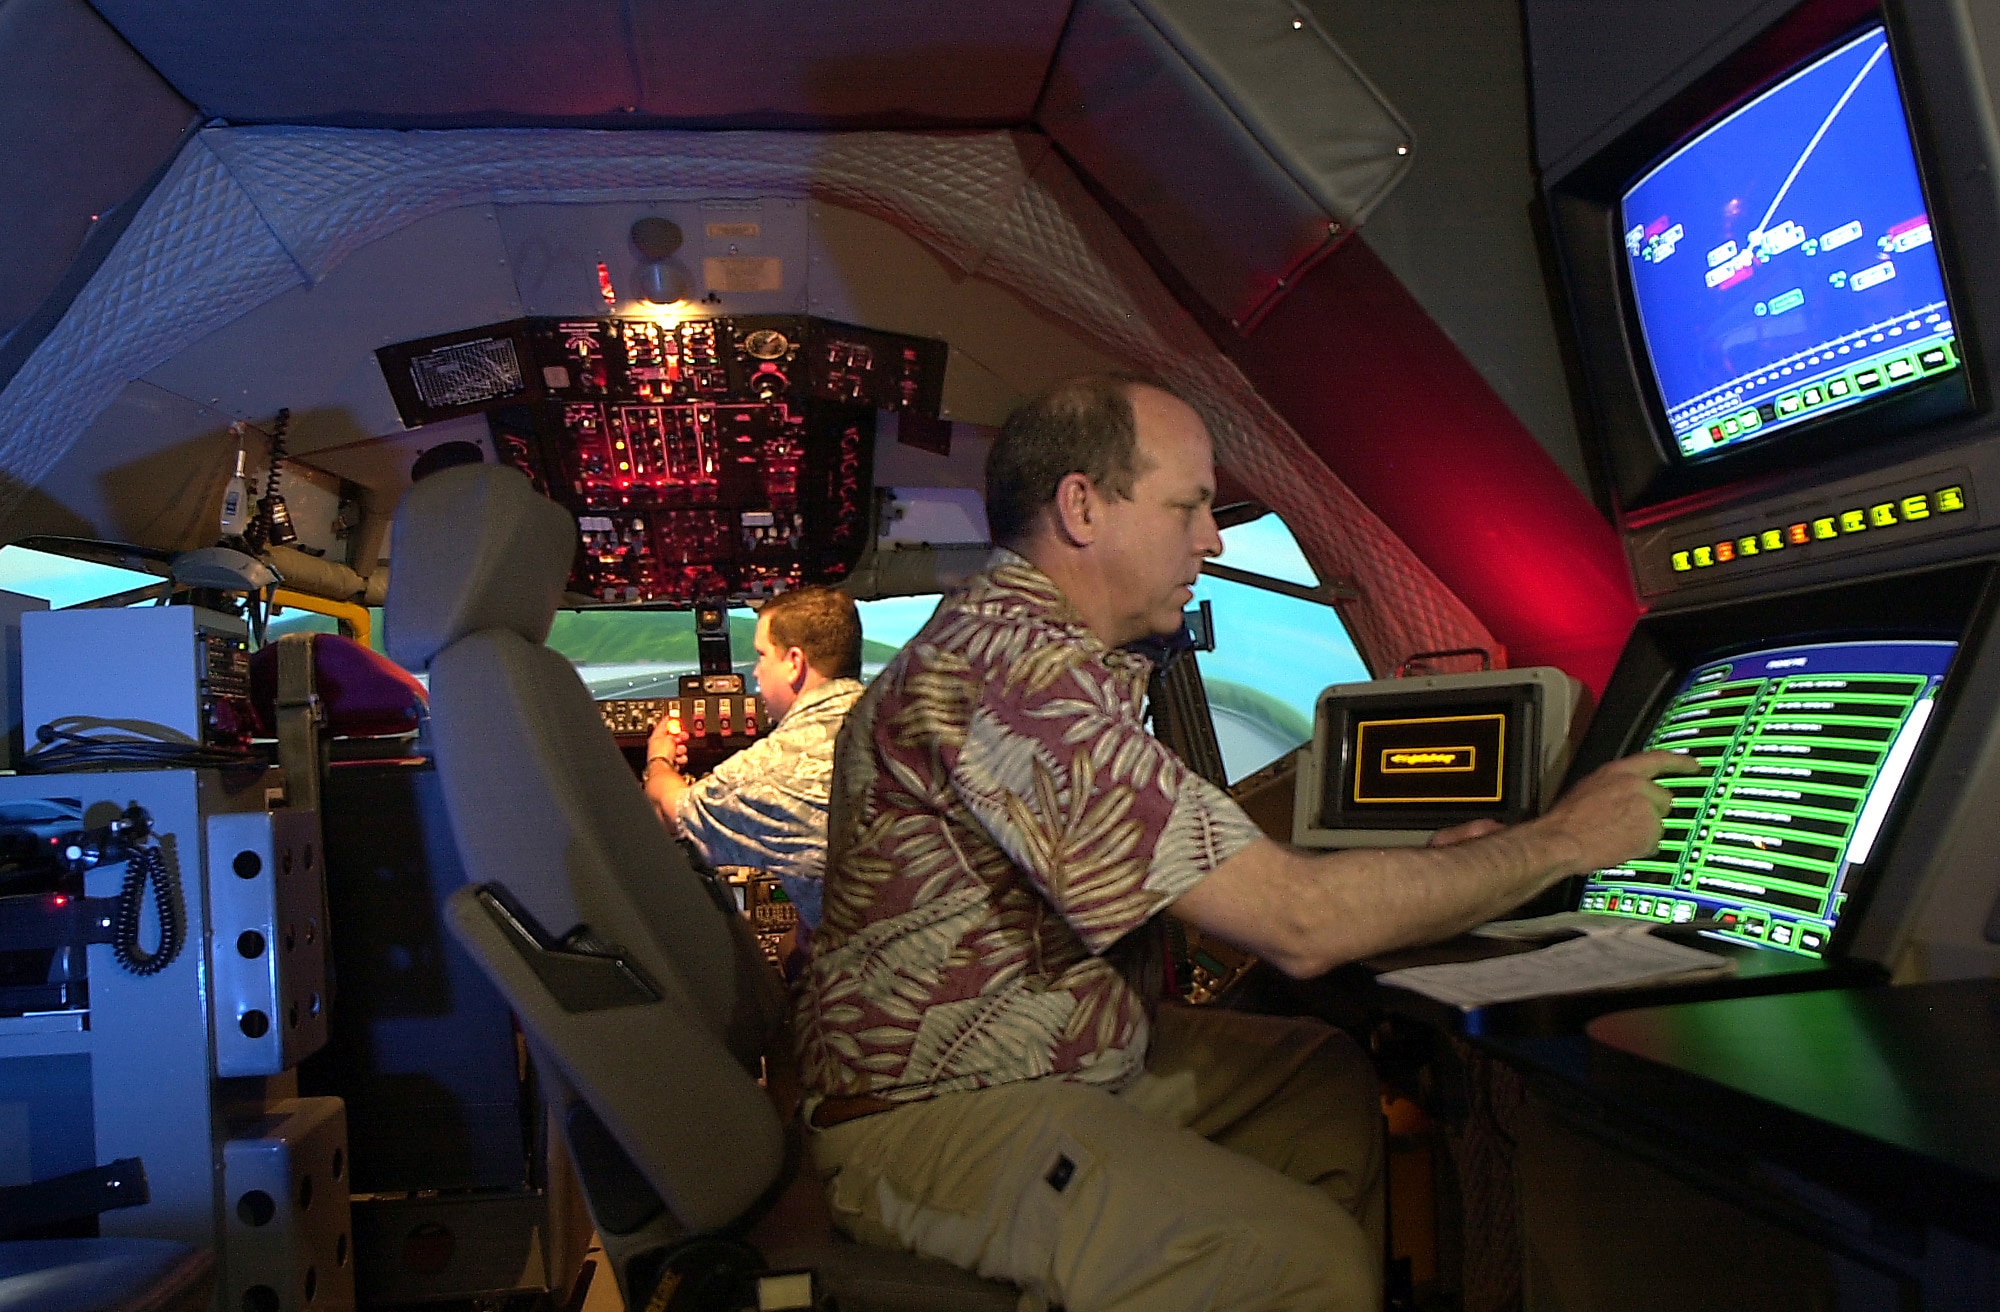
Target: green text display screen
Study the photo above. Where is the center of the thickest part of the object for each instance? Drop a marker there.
(1803, 750)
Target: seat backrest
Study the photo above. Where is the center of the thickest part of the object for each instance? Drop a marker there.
(543, 806)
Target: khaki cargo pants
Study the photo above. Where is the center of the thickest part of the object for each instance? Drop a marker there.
(1242, 1171)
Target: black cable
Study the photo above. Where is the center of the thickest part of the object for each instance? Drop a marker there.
(148, 865)
(82, 752)
(258, 532)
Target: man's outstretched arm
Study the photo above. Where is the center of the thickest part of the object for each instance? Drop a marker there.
(1306, 912)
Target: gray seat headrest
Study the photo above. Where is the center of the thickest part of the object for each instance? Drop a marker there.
(474, 548)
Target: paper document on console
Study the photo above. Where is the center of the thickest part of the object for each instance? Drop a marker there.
(1562, 922)
(1580, 965)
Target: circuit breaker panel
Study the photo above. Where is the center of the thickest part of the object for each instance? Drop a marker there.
(706, 459)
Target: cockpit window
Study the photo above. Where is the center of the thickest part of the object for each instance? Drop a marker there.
(64, 581)
(623, 653)
(1273, 652)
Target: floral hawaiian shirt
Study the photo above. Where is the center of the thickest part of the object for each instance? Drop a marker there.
(1001, 825)
(765, 807)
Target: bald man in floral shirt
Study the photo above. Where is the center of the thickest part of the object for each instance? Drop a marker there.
(989, 1075)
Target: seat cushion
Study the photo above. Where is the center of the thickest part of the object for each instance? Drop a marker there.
(104, 1275)
(364, 692)
(864, 1278)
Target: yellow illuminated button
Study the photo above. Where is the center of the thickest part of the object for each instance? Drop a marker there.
(1853, 521)
(1824, 528)
(1747, 546)
(1798, 534)
(1916, 507)
(1683, 562)
(1772, 539)
(1883, 515)
(1950, 499)
(1703, 557)
(1725, 552)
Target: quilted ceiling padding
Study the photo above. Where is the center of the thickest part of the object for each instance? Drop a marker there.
(249, 212)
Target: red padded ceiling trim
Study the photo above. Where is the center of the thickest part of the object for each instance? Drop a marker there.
(1382, 395)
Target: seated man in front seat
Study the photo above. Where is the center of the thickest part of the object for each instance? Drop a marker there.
(988, 1075)
(765, 807)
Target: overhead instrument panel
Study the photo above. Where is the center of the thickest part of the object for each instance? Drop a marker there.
(709, 459)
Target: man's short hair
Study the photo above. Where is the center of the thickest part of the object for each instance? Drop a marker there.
(1082, 425)
(821, 622)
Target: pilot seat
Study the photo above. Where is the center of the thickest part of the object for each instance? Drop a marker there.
(647, 1006)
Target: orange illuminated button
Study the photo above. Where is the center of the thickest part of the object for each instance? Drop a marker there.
(1798, 534)
(1853, 521)
(1725, 552)
(1773, 539)
(1882, 515)
(1824, 528)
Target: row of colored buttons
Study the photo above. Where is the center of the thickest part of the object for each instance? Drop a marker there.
(1867, 377)
(1883, 514)
(1753, 924)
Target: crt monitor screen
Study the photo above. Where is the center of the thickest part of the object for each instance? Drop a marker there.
(1803, 751)
(1781, 263)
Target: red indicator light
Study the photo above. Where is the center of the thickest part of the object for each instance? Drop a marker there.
(59, 900)
(604, 286)
(1724, 551)
(1797, 534)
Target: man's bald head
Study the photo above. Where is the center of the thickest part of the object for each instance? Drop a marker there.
(1081, 425)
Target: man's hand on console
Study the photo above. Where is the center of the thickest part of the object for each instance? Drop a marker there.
(666, 756)
(667, 743)
(1306, 912)
(1614, 813)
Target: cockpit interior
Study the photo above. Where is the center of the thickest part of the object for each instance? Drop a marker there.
(406, 412)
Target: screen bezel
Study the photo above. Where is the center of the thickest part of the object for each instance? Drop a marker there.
(1954, 603)
(1644, 476)
(1854, 874)
(1940, 397)
(1335, 742)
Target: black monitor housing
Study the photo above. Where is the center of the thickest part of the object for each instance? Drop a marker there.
(1645, 473)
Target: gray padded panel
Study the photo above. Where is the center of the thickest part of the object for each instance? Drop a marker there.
(693, 1121)
(1238, 134)
(1596, 66)
(476, 548)
(779, 62)
(863, 1278)
(83, 122)
(541, 801)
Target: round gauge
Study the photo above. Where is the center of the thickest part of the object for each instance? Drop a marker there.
(766, 344)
